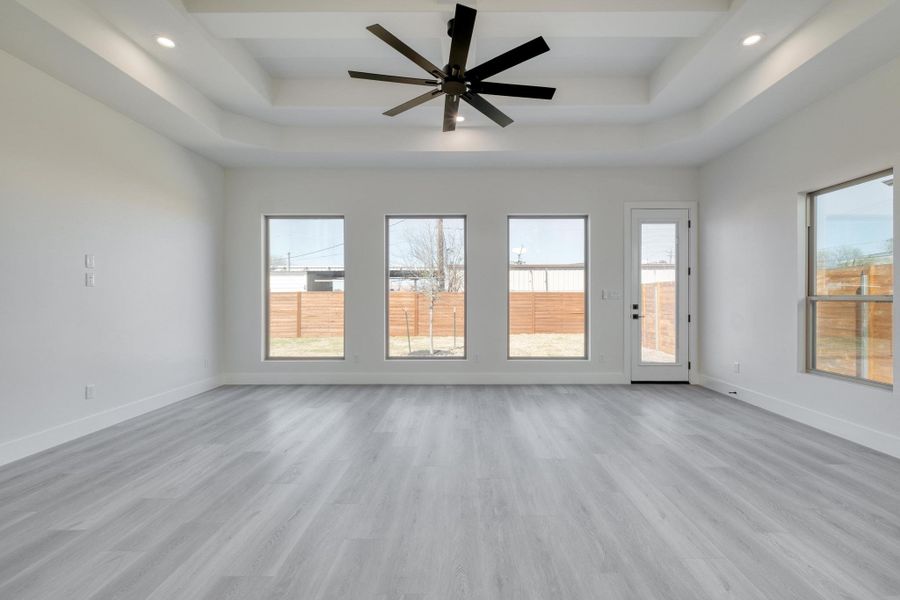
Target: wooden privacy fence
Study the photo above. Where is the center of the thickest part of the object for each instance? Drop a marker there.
(546, 312)
(306, 314)
(846, 281)
(854, 338)
(321, 314)
(840, 325)
(414, 305)
(659, 324)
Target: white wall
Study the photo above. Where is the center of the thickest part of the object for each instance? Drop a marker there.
(486, 197)
(76, 178)
(752, 258)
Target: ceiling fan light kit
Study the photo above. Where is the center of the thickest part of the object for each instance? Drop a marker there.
(454, 81)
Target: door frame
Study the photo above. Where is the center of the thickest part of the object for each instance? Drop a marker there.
(691, 207)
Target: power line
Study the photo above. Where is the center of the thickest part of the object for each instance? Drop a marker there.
(292, 256)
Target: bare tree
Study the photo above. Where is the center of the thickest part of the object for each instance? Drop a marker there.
(842, 256)
(436, 253)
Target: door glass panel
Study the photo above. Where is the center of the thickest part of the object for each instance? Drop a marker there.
(659, 297)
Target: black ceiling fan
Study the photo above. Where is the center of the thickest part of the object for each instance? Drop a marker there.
(454, 81)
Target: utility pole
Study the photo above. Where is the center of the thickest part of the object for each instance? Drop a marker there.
(519, 252)
(441, 256)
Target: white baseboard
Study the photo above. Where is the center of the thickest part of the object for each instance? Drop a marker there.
(860, 434)
(43, 440)
(534, 378)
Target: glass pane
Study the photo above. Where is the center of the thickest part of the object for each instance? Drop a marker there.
(426, 287)
(854, 339)
(306, 288)
(546, 288)
(659, 298)
(855, 240)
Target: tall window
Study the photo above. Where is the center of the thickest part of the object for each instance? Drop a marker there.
(426, 287)
(547, 287)
(304, 287)
(851, 283)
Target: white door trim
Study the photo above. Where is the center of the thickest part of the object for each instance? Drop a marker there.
(692, 283)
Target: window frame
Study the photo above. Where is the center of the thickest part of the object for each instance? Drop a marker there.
(587, 319)
(812, 298)
(267, 357)
(387, 287)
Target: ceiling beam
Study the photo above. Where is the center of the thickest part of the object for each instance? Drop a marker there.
(230, 72)
(494, 24)
(601, 6)
(345, 92)
(699, 67)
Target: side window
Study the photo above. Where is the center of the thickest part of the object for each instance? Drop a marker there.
(851, 283)
(304, 287)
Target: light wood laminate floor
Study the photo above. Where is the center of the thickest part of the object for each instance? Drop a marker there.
(414, 493)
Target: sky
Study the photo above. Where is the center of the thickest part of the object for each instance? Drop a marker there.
(547, 241)
(401, 230)
(860, 216)
(311, 242)
(319, 242)
(659, 243)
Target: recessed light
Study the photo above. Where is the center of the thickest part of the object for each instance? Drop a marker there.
(165, 42)
(752, 40)
(460, 118)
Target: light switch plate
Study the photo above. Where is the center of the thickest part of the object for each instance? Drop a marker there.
(89, 280)
(88, 261)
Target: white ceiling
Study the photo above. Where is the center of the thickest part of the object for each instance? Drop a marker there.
(639, 81)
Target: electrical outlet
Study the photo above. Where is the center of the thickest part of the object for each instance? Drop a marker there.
(89, 391)
(736, 367)
(89, 280)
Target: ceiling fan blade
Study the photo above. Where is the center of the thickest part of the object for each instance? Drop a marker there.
(391, 40)
(413, 103)
(451, 110)
(487, 109)
(509, 59)
(463, 26)
(514, 89)
(392, 78)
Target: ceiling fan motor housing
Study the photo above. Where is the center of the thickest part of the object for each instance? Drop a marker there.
(453, 87)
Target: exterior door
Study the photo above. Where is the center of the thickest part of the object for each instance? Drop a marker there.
(660, 257)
